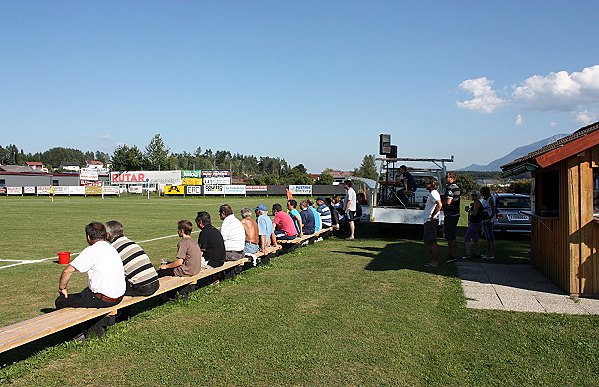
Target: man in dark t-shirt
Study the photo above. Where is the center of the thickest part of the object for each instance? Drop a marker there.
(451, 212)
(210, 241)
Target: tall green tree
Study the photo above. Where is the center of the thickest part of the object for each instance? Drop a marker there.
(157, 155)
(127, 158)
(325, 178)
(298, 175)
(367, 168)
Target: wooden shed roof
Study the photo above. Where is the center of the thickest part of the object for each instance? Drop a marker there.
(583, 138)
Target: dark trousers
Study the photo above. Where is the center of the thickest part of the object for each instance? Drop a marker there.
(166, 272)
(85, 299)
(143, 290)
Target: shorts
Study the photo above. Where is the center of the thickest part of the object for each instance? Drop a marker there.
(251, 248)
(473, 232)
(350, 216)
(488, 229)
(450, 226)
(430, 231)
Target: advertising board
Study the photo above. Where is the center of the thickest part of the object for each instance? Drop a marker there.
(150, 177)
(174, 190)
(137, 189)
(29, 190)
(88, 174)
(76, 190)
(93, 190)
(14, 190)
(256, 188)
(61, 190)
(193, 190)
(43, 189)
(2, 190)
(213, 190)
(301, 189)
(234, 189)
(110, 190)
(191, 180)
(216, 180)
(216, 174)
(192, 174)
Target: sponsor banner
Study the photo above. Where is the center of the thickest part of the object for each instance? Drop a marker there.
(14, 190)
(110, 190)
(174, 190)
(193, 174)
(256, 188)
(2, 190)
(76, 190)
(29, 190)
(234, 189)
(88, 174)
(216, 180)
(301, 189)
(90, 182)
(193, 190)
(213, 190)
(137, 189)
(43, 190)
(216, 174)
(191, 180)
(93, 190)
(150, 177)
(61, 190)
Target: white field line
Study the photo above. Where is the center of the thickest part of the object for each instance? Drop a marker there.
(29, 261)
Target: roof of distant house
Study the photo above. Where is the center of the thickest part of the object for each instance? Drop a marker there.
(94, 162)
(16, 168)
(34, 163)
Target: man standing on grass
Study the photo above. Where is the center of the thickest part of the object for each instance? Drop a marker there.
(349, 205)
(106, 276)
(142, 279)
(431, 221)
(451, 212)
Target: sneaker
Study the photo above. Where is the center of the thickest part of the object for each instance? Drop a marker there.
(451, 259)
(349, 238)
(466, 257)
(488, 257)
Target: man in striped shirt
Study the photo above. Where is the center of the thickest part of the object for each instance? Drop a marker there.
(325, 212)
(142, 279)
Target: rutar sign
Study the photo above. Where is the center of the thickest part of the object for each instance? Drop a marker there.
(149, 177)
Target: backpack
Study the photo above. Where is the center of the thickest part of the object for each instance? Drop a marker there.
(487, 212)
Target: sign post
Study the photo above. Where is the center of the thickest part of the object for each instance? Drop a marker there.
(148, 188)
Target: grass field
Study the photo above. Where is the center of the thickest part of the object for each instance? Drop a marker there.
(362, 312)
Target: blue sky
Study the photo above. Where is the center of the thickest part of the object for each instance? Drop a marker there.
(314, 82)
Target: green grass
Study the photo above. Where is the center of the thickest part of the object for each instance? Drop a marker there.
(362, 312)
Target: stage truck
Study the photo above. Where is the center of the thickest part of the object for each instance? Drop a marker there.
(390, 203)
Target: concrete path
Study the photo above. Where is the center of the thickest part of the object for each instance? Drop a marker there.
(519, 288)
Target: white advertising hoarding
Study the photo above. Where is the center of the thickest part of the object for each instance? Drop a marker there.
(110, 190)
(216, 180)
(256, 188)
(234, 189)
(14, 190)
(29, 190)
(213, 190)
(61, 190)
(43, 190)
(193, 190)
(150, 177)
(88, 174)
(135, 189)
(301, 189)
(76, 190)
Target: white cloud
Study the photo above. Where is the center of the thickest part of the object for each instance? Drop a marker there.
(105, 136)
(519, 120)
(485, 98)
(553, 124)
(559, 91)
(585, 117)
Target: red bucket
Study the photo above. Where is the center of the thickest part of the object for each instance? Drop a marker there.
(64, 257)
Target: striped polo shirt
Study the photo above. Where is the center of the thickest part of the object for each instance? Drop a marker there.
(325, 215)
(138, 268)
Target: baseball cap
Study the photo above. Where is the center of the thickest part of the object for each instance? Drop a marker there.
(261, 207)
(320, 198)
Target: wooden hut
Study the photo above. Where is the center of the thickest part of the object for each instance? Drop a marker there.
(565, 213)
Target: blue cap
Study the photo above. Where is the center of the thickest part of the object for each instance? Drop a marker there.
(320, 198)
(261, 207)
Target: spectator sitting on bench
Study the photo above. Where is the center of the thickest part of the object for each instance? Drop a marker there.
(295, 216)
(334, 213)
(265, 229)
(324, 212)
(189, 256)
(142, 279)
(283, 224)
(251, 231)
(233, 234)
(106, 276)
(210, 241)
(317, 220)
(307, 218)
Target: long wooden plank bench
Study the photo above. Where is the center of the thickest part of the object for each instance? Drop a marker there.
(35, 328)
(293, 243)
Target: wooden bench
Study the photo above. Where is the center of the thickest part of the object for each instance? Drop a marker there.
(35, 328)
(291, 244)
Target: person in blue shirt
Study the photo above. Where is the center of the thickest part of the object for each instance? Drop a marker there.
(317, 220)
(266, 234)
(295, 215)
(308, 222)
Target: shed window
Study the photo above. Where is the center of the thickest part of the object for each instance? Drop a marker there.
(55, 183)
(2, 182)
(548, 200)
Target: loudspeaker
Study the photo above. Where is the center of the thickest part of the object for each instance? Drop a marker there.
(393, 152)
(385, 144)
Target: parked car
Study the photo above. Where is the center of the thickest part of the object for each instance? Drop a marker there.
(509, 216)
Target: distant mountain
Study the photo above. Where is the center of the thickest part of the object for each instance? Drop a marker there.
(516, 153)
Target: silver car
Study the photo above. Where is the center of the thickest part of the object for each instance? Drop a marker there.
(509, 216)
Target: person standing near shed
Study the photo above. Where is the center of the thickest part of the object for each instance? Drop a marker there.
(451, 212)
(431, 221)
(349, 205)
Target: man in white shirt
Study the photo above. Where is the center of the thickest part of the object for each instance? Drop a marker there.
(349, 205)
(106, 275)
(430, 217)
(233, 234)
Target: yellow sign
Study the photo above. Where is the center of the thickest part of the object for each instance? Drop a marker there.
(93, 190)
(174, 190)
(191, 181)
